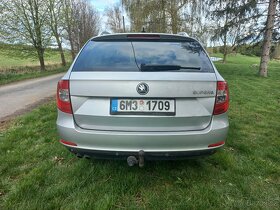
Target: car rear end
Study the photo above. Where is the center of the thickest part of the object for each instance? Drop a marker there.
(155, 93)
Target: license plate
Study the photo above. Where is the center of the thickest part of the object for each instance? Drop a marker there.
(143, 106)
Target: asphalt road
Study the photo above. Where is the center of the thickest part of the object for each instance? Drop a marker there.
(21, 96)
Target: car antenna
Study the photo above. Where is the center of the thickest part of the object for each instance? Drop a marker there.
(143, 30)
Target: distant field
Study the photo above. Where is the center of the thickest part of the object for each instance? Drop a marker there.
(247, 62)
(36, 172)
(12, 56)
(19, 62)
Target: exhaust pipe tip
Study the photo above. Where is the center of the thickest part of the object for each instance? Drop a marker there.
(79, 155)
(87, 157)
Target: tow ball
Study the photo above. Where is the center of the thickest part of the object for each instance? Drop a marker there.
(132, 160)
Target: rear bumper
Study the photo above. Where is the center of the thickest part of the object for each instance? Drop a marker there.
(163, 144)
(147, 155)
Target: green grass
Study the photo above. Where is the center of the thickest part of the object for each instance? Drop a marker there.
(19, 74)
(12, 56)
(36, 172)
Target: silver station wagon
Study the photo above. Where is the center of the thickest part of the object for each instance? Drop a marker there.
(141, 97)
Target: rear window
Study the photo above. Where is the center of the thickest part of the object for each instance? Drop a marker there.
(130, 55)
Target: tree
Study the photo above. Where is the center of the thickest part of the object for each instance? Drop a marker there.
(193, 21)
(24, 21)
(82, 22)
(55, 21)
(174, 7)
(68, 17)
(267, 38)
(260, 19)
(87, 22)
(232, 17)
(157, 15)
(145, 14)
(114, 18)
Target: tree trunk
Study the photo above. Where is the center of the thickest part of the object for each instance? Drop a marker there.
(225, 56)
(40, 52)
(69, 23)
(72, 48)
(174, 22)
(225, 39)
(163, 25)
(267, 38)
(173, 16)
(225, 49)
(63, 62)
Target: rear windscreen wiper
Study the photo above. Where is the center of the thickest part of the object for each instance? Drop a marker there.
(152, 67)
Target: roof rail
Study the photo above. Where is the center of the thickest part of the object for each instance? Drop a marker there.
(183, 34)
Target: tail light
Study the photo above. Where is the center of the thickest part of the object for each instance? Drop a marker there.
(222, 98)
(143, 36)
(216, 144)
(63, 97)
(68, 142)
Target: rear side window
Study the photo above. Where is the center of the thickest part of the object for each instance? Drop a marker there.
(130, 55)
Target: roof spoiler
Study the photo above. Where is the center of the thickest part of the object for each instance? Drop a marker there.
(141, 36)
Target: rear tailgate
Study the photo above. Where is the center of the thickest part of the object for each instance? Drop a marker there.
(109, 68)
(194, 95)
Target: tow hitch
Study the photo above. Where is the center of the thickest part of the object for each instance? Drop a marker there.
(132, 160)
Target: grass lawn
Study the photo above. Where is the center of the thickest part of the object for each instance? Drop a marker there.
(36, 172)
(12, 56)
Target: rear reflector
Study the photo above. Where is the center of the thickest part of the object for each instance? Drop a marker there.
(143, 36)
(63, 97)
(67, 142)
(217, 144)
(222, 98)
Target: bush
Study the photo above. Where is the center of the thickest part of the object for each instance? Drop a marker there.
(216, 50)
(275, 51)
(221, 49)
(250, 50)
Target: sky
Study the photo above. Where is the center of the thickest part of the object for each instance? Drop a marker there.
(100, 5)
